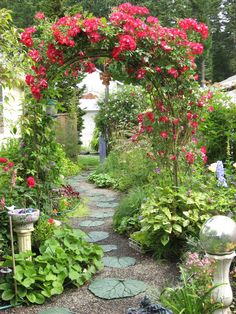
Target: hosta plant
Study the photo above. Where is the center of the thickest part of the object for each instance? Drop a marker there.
(65, 258)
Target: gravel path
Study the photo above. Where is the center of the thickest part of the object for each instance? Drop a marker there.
(81, 300)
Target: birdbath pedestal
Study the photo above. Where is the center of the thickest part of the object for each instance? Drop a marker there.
(218, 238)
(23, 221)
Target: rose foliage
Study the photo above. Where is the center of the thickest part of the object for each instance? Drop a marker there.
(136, 45)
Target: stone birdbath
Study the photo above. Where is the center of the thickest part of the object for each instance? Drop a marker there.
(23, 220)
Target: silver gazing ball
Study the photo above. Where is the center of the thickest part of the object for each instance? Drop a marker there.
(218, 235)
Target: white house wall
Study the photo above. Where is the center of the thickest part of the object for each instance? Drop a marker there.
(94, 91)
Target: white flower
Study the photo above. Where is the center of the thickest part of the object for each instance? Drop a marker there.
(234, 165)
(212, 167)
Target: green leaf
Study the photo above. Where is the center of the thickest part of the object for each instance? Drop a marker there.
(113, 288)
(118, 262)
(177, 228)
(165, 239)
(39, 298)
(8, 295)
(73, 274)
(27, 282)
(167, 212)
(31, 297)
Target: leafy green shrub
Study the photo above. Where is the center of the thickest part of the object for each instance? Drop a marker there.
(43, 230)
(169, 215)
(126, 218)
(219, 129)
(101, 180)
(66, 258)
(128, 165)
(186, 299)
(120, 113)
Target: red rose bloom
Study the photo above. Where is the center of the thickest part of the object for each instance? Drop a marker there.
(31, 182)
(3, 160)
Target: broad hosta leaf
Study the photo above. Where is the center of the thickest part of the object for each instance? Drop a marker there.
(106, 205)
(118, 262)
(56, 310)
(102, 214)
(91, 223)
(96, 236)
(108, 247)
(113, 288)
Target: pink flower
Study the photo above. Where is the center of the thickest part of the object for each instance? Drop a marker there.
(190, 158)
(203, 149)
(164, 134)
(158, 69)
(3, 160)
(211, 108)
(141, 73)
(34, 55)
(176, 121)
(50, 221)
(152, 20)
(194, 124)
(165, 47)
(150, 116)
(10, 164)
(29, 79)
(39, 16)
(173, 72)
(31, 182)
(140, 118)
(164, 119)
(149, 129)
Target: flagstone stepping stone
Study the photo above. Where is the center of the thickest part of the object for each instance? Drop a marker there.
(95, 194)
(118, 262)
(96, 236)
(56, 310)
(91, 223)
(113, 288)
(101, 214)
(102, 199)
(106, 205)
(108, 247)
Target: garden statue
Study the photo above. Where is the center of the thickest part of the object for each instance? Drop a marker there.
(218, 238)
(147, 308)
(102, 148)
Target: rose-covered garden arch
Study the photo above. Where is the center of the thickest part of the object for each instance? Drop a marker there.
(134, 44)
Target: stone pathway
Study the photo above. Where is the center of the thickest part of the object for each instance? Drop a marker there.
(121, 262)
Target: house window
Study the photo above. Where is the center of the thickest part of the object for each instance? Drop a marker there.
(1, 110)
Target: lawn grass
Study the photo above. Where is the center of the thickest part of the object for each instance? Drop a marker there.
(87, 162)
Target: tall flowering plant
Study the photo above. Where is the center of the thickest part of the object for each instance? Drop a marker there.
(162, 59)
(11, 192)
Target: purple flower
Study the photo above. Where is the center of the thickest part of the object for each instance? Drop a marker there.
(157, 170)
(220, 174)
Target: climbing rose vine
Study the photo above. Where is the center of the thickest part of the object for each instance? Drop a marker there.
(162, 59)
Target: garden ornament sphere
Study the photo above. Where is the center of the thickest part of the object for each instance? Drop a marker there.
(218, 235)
